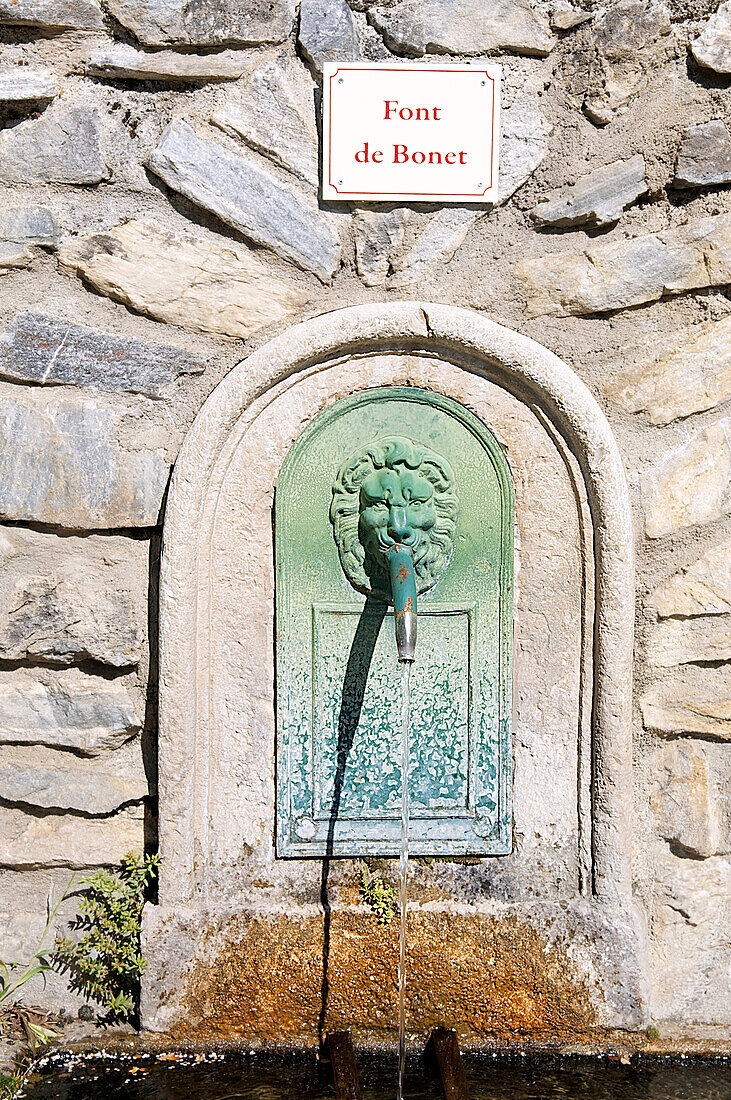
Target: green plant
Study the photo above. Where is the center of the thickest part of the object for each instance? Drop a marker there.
(105, 961)
(13, 976)
(377, 894)
(652, 1032)
(10, 1085)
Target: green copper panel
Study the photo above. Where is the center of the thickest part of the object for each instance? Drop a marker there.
(338, 696)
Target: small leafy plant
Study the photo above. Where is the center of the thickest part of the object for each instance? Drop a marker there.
(377, 894)
(105, 961)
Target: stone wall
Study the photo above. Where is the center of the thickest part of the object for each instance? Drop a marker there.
(160, 220)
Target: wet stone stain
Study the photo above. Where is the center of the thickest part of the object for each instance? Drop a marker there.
(489, 978)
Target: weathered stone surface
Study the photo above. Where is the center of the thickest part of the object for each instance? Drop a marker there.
(244, 196)
(704, 156)
(62, 146)
(598, 198)
(75, 462)
(689, 782)
(72, 599)
(276, 117)
(49, 351)
(20, 84)
(206, 22)
(443, 235)
(377, 237)
(328, 32)
(564, 17)
(65, 840)
(704, 588)
(694, 700)
(21, 228)
(690, 953)
(524, 134)
(467, 27)
(713, 48)
(125, 63)
(53, 14)
(628, 41)
(617, 274)
(682, 641)
(54, 780)
(202, 284)
(691, 483)
(67, 710)
(695, 374)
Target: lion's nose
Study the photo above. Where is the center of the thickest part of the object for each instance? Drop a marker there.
(398, 527)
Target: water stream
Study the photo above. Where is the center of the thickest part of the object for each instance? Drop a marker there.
(403, 870)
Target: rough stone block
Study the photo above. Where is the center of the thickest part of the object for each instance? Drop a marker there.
(20, 85)
(690, 954)
(687, 798)
(564, 17)
(704, 157)
(127, 63)
(598, 198)
(703, 588)
(467, 27)
(275, 115)
(378, 236)
(202, 284)
(691, 484)
(328, 32)
(55, 15)
(51, 779)
(62, 146)
(72, 599)
(206, 22)
(628, 42)
(21, 228)
(78, 462)
(682, 641)
(524, 134)
(49, 351)
(692, 373)
(617, 274)
(693, 700)
(443, 235)
(28, 841)
(252, 201)
(68, 710)
(713, 48)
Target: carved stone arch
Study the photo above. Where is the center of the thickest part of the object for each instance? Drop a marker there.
(191, 876)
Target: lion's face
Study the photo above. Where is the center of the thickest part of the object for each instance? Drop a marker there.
(393, 491)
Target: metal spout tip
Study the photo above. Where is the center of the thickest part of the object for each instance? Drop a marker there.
(405, 622)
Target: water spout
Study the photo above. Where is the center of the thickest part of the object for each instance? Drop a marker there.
(400, 560)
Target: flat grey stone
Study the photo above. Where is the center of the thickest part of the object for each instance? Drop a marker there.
(54, 15)
(524, 134)
(377, 237)
(51, 779)
(437, 244)
(688, 372)
(693, 701)
(689, 641)
(67, 840)
(126, 63)
(617, 274)
(626, 44)
(67, 710)
(21, 84)
(599, 198)
(78, 462)
(49, 351)
(247, 198)
(704, 157)
(62, 146)
(201, 283)
(275, 115)
(29, 225)
(72, 599)
(713, 48)
(205, 22)
(328, 32)
(703, 588)
(466, 27)
(690, 798)
(14, 255)
(691, 483)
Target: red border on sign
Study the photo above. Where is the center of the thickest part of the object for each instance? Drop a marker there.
(408, 194)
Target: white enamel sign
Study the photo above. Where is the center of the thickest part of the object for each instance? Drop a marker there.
(419, 132)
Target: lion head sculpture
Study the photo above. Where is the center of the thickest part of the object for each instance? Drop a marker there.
(393, 491)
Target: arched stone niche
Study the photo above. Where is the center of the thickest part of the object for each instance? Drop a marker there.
(246, 945)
